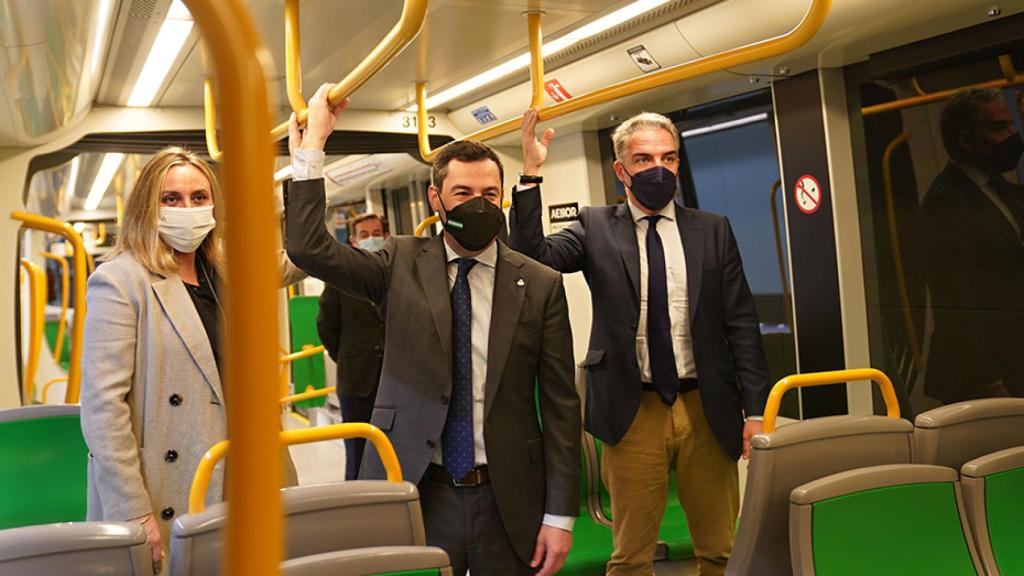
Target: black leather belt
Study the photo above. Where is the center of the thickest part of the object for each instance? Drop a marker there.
(474, 477)
(685, 385)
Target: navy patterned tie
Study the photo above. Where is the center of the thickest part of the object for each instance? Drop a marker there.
(457, 438)
(659, 326)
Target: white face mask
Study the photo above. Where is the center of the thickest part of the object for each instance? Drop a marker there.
(184, 229)
(373, 243)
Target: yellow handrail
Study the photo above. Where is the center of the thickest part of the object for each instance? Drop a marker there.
(894, 247)
(210, 120)
(414, 12)
(536, 59)
(787, 309)
(254, 543)
(37, 306)
(101, 234)
(292, 54)
(1010, 78)
(309, 393)
(201, 480)
(740, 56)
(49, 384)
(771, 408)
(434, 219)
(78, 260)
(307, 351)
(65, 284)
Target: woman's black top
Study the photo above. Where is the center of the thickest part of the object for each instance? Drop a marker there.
(204, 297)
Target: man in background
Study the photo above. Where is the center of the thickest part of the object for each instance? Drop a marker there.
(352, 331)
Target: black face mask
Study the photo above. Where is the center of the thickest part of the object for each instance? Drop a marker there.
(654, 187)
(1005, 155)
(474, 224)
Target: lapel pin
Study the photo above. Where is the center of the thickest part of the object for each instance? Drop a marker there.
(520, 282)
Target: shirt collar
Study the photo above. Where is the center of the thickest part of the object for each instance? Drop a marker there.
(977, 176)
(668, 212)
(489, 256)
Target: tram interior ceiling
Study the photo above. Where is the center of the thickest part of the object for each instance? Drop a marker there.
(942, 204)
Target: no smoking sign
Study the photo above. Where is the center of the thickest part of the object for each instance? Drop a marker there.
(807, 194)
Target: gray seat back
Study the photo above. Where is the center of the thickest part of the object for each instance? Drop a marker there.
(953, 434)
(796, 454)
(1005, 468)
(80, 548)
(318, 519)
(370, 561)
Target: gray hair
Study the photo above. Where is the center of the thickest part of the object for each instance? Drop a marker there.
(961, 114)
(642, 121)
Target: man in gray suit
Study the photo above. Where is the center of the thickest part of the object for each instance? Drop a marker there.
(476, 334)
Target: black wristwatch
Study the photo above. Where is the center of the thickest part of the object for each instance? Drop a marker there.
(527, 179)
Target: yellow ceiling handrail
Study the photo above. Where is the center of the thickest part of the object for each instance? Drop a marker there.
(414, 13)
(292, 56)
(768, 48)
(79, 263)
(37, 306)
(201, 480)
(894, 247)
(307, 351)
(771, 408)
(309, 393)
(49, 384)
(786, 305)
(253, 535)
(1010, 78)
(210, 120)
(65, 289)
(536, 58)
(434, 219)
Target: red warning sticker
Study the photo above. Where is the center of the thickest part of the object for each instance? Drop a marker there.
(557, 92)
(807, 194)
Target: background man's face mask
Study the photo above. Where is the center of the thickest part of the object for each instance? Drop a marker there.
(184, 229)
(373, 243)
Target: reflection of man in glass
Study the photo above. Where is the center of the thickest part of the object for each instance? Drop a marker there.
(972, 236)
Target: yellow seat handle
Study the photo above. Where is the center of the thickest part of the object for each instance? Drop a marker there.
(771, 408)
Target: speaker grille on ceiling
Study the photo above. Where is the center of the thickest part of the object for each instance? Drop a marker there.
(127, 45)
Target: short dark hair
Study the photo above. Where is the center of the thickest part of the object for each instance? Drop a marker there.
(463, 151)
(962, 113)
(363, 218)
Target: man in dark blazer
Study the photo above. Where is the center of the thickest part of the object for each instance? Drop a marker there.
(476, 335)
(675, 360)
(352, 331)
(970, 234)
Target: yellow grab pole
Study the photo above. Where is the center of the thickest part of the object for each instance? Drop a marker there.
(49, 384)
(1006, 65)
(771, 408)
(769, 48)
(65, 288)
(37, 305)
(307, 351)
(210, 120)
(101, 234)
(536, 59)
(201, 480)
(414, 12)
(78, 261)
(292, 56)
(309, 394)
(254, 540)
(894, 248)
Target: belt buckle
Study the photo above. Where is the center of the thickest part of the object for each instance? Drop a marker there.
(461, 484)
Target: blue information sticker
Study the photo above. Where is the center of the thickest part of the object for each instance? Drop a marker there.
(484, 115)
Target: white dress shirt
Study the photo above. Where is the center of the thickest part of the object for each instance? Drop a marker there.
(678, 299)
(307, 165)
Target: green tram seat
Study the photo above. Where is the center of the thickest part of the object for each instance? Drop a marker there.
(390, 560)
(993, 489)
(794, 455)
(953, 434)
(43, 460)
(319, 519)
(79, 548)
(302, 311)
(883, 520)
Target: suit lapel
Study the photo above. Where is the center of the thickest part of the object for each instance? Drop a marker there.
(432, 272)
(510, 285)
(692, 234)
(625, 236)
(182, 313)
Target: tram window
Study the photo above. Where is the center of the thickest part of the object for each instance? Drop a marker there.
(943, 234)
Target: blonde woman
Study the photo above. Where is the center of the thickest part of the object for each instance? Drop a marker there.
(152, 398)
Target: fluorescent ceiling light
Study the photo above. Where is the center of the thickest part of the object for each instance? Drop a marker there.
(108, 168)
(521, 61)
(105, 10)
(726, 125)
(169, 40)
(69, 190)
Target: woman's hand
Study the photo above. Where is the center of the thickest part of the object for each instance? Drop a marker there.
(156, 546)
